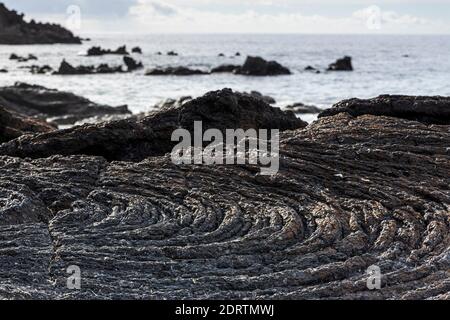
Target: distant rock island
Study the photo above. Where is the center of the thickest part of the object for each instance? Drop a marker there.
(15, 30)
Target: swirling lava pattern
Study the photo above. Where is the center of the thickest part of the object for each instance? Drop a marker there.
(351, 192)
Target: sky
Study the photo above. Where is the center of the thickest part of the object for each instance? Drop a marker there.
(242, 16)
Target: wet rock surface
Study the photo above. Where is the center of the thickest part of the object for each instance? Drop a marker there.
(58, 106)
(15, 30)
(352, 191)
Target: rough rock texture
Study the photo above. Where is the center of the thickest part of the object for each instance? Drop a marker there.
(257, 66)
(14, 30)
(352, 192)
(58, 106)
(174, 71)
(131, 140)
(13, 125)
(344, 64)
(424, 109)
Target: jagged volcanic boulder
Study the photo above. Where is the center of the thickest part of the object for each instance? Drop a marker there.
(58, 106)
(175, 71)
(352, 193)
(14, 125)
(344, 64)
(135, 140)
(15, 30)
(257, 66)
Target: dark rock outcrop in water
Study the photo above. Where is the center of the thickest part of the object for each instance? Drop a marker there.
(353, 191)
(136, 50)
(14, 125)
(226, 68)
(132, 140)
(59, 107)
(257, 66)
(132, 64)
(14, 56)
(66, 68)
(301, 108)
(15, 30)
(175, 71)
(99, 51)
(344, 64)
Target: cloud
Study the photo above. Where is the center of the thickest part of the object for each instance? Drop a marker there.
(162, 17)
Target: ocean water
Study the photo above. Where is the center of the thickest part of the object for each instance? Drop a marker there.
(414, 65)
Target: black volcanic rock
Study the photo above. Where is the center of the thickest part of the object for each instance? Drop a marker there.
(226, 68)
(257, 66)
(344, 64)
(175, 71)
(133, 140)
(66, 68)
(58, 106)
(14, 56)
(432, 110)
(352, 194)
(132, 64)
(99, 51)
(14, 30)
(136, 50)
(301, 108)
(14, 125)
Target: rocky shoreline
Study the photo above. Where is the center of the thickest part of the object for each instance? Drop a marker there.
(367, 184)
(15, 30)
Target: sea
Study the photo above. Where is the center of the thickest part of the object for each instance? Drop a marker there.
(383, 64)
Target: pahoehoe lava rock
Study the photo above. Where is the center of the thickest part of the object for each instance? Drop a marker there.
(352, 191)
(131, 140)
(15, 30)
(13, 125)
(58, 106)
(424, 109)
